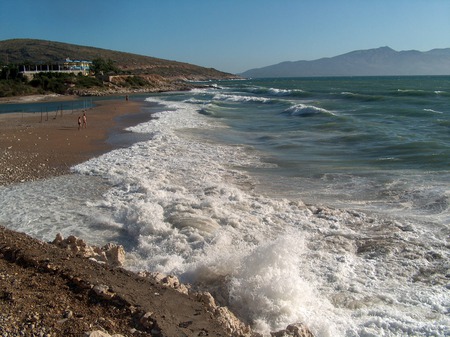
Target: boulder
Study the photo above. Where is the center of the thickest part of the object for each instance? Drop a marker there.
(207, 299)
(115, 254)
(169, 281)
(234, 326)
(147, 321)
(99, 333)
(293, 330)
(111, 254)
(103, 292)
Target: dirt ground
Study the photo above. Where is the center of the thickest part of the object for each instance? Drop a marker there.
(48, 291)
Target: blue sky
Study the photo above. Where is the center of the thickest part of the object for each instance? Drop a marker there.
(232, 35)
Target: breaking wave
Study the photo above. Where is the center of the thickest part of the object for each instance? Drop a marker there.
(304, 110)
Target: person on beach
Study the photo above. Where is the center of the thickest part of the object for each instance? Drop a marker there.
(79, 123)
(84, 120)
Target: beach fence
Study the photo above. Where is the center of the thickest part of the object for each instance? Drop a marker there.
(47, 108)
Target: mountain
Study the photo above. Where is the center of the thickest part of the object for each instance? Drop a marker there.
(382, 61)
(31, 51)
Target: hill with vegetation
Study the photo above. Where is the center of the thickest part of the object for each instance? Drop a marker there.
(18, 51)
(114, 71)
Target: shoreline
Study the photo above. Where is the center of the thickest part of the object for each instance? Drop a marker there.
(49, 289)
(37, 146)
(31, 149)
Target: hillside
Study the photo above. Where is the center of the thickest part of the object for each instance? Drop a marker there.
(382, 61)
(19, 51)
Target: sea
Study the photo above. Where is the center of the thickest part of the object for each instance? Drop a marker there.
(316, 200)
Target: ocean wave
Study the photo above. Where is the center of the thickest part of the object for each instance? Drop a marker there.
(277, 92)
(239, 98)
(285, 92)
(431, 110)
(304, 110)
(413, 93)
(442, 93)
(197, 101)
(182, 207)
(206, 112)
(361, 97)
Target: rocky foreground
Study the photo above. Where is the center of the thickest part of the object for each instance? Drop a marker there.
(67, 288)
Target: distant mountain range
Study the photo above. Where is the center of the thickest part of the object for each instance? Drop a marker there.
(382, 61)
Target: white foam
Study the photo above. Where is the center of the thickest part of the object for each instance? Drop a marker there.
(431, 110)
(271, 261)
(284, 92)
(241, 98)
(179, 205)
(305, 110)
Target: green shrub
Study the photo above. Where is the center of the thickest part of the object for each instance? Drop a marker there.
(88, 82)
(136, 81)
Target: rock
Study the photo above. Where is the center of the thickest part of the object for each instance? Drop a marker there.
(68, 314)
(168, 281)
(115, 254)
(97, 333)
(173, 282)
(58, 239)
(233, 325)
(293, 330)
(111, 253)
(71, 239)
(103, 292)
(207, 299)
(147, 321)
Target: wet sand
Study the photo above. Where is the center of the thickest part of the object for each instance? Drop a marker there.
(35, 146)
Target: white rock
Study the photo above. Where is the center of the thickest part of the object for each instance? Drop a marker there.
(147, 321)
(103, 291)
(97, 333)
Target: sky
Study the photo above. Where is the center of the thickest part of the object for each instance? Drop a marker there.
(232, 35)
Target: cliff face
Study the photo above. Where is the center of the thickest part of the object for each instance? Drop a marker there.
(30, 51)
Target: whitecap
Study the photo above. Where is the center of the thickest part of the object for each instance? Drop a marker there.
(197, 101)
(284, 92)
(431, 110)
(305, 110)
(239, 98)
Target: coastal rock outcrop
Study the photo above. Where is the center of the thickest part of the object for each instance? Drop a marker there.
(169, 281)
(234, 326)
(114, 255)
(111, 254)
(293, 330)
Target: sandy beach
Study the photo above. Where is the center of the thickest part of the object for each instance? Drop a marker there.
(35, 146)
(38, 294)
